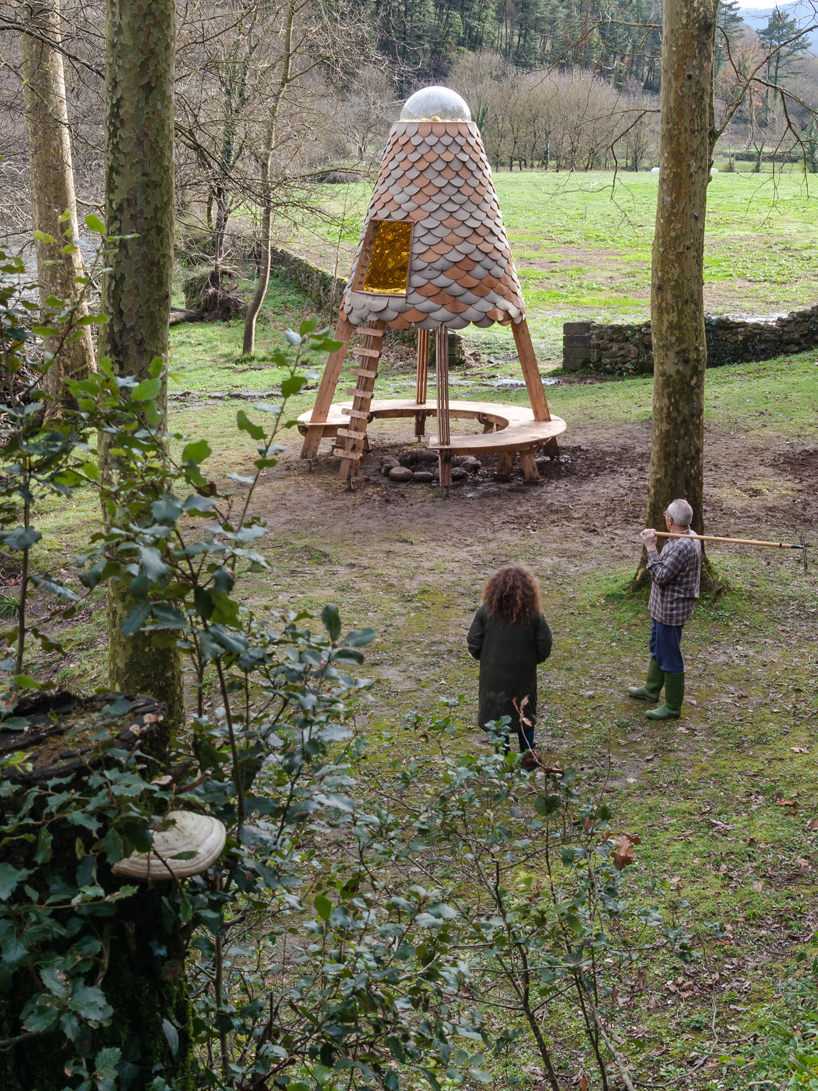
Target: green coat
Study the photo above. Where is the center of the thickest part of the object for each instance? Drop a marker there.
(508, 656)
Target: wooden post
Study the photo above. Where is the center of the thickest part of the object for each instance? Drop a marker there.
(444, 435)
(531, 370)
(422, 377)
(529, 465)
(326, 391)
(505, 463)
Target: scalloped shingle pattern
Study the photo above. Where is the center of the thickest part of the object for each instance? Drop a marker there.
(436, 175)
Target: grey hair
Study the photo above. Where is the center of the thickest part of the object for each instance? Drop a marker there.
(681, 513)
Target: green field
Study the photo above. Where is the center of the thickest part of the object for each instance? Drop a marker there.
(582, 245)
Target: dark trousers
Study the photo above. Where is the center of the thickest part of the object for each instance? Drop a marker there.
(666, 647)
(525, 737)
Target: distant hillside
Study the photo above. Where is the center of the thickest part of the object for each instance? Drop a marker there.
(804, 11)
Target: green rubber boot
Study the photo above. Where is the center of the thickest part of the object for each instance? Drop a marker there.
(653, 687)
(674, 695)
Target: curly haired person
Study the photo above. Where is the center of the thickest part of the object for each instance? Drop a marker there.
(510, 637)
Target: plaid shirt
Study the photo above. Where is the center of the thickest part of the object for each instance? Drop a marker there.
(675, 576)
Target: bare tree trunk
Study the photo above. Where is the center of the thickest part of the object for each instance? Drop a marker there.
(52, 186)
(139, 207)
(249, 344)
(677, 301)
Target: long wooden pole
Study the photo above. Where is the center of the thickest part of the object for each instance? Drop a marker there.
(736, 541)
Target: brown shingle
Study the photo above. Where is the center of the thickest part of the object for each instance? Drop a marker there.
(436, 176)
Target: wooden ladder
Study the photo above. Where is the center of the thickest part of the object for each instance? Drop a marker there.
(355, 444)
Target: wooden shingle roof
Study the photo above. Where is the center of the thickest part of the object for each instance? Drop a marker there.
(435, 175)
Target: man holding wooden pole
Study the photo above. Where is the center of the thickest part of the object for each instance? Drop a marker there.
(675, 577)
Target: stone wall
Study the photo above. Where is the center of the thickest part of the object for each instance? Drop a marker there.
(319, 286)
(622, 349)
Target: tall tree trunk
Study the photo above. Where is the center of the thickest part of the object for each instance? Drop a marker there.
(139, 208)
(265, 263)
(677, 300)
(52, 187)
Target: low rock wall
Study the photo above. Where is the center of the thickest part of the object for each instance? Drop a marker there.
(622, 349)
(320, 287)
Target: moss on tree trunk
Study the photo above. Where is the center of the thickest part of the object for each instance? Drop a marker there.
(139, 210)
(52, 186)
(677, 301)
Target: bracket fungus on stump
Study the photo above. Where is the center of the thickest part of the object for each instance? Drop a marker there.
(170, 858)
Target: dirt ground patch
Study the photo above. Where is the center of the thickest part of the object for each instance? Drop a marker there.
(596, 484)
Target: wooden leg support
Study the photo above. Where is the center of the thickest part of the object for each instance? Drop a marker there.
(326, 391)
(532, 474)
(505, 463)
(531, 370)
(551, 447)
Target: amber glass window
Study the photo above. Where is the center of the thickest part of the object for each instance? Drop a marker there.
(389, 245)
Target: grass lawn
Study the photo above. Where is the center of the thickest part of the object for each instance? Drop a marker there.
(723, 799)
(582, 245)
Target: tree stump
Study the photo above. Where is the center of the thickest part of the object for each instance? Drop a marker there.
(137, 946)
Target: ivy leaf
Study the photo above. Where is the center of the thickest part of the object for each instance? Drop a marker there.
(168, 617)
(89, 1002)
(332, 620)
(167, 509)
(358, 638)
(195, 502)
(203, 601)
(171, 1036)
(308, 326)
(21, 537)
(292, 386)
(10, 877)
(49, 583)
(323, 907)
(151, 563)
(135, 619)
(546, 805)
(255, 431)
(147, 390)
(196, 452)
(42, 1016)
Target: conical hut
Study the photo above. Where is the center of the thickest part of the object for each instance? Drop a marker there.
(433, 254)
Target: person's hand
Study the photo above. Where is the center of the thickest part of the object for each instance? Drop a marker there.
(648, 537)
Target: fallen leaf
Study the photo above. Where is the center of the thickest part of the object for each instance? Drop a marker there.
(812, 824)
(622, 855)
(786, 803)
(757, 886)
(799, 750)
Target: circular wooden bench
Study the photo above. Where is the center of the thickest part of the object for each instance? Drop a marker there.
(507, 428)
